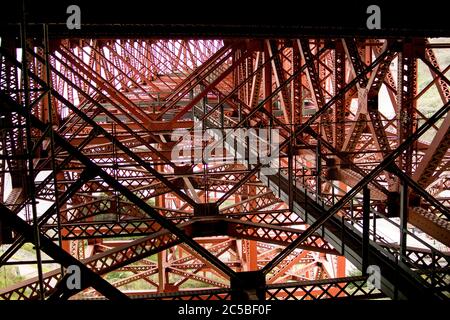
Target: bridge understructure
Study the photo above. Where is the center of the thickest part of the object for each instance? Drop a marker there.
(242, 169)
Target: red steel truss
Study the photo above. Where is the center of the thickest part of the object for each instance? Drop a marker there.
(105, 164)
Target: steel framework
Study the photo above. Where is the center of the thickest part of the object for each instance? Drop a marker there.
(132, 159)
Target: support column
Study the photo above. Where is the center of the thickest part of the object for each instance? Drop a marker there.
(160, 201)
(340, 266)
(318, 170)
(366, 228)
(267, 81)
(407, 89)
(162, 275)
(251, 263)
(403, 219)
(339, 107)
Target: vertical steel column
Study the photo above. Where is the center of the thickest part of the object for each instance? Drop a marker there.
(252, 252)
(52, 140)
(267, 80)
(191, 97)
(339, 107)
(248, 72)
(407, 87)
(403, 219)
(222, 117)
(290, 172)
(318, 170)
(296, 88)
(13, 137)
(162, 274)
(374, 226)
(30, 187)
(366, 227)
(204, 102)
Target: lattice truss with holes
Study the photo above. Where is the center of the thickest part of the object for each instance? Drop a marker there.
(89, 130)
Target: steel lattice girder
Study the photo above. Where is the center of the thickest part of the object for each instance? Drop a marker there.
(83, 75)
